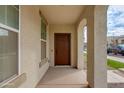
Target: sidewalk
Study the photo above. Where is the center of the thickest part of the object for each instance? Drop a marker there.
(116, 58)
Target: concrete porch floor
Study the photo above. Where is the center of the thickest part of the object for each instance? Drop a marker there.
(66, 77)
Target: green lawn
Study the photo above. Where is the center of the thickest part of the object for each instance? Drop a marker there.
(112, 64)
(115, 64)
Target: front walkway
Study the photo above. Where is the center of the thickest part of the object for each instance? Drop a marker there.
(66, 77)
(63, 77)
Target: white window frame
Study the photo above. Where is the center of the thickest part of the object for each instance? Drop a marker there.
(11, 29)
(45, 41)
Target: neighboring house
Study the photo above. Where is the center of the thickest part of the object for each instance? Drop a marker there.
(115, 40)
(34, 38)
(121, 40)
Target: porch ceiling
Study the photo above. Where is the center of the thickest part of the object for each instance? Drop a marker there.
(62, 14)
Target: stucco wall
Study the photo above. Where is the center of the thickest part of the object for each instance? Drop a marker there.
(63, 28)
(30, 49)
(96, 44)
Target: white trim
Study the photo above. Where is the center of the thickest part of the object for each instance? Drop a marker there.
(19, 38)
(3, 83)
(43, 40)
(63, 66)
(8, 28)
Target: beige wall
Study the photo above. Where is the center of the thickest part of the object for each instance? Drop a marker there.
(30, 48)
(65, 28)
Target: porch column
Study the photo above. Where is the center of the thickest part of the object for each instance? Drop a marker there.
(97, 31)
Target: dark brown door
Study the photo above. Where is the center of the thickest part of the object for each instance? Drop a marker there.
(62, 49)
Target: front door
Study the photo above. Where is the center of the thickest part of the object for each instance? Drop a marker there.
(62, 49)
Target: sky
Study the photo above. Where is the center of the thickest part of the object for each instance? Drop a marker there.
(85, 34)
(115, 20)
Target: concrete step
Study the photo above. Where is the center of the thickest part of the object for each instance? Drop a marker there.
(62, 86)
(115, 85)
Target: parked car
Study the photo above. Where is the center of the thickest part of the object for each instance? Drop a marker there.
(119, 49)
(109, 49)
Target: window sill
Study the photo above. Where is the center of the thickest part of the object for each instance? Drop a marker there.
(8, 80)
(43, 61)
(15, 82)
(8, 28)
(43, 40)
